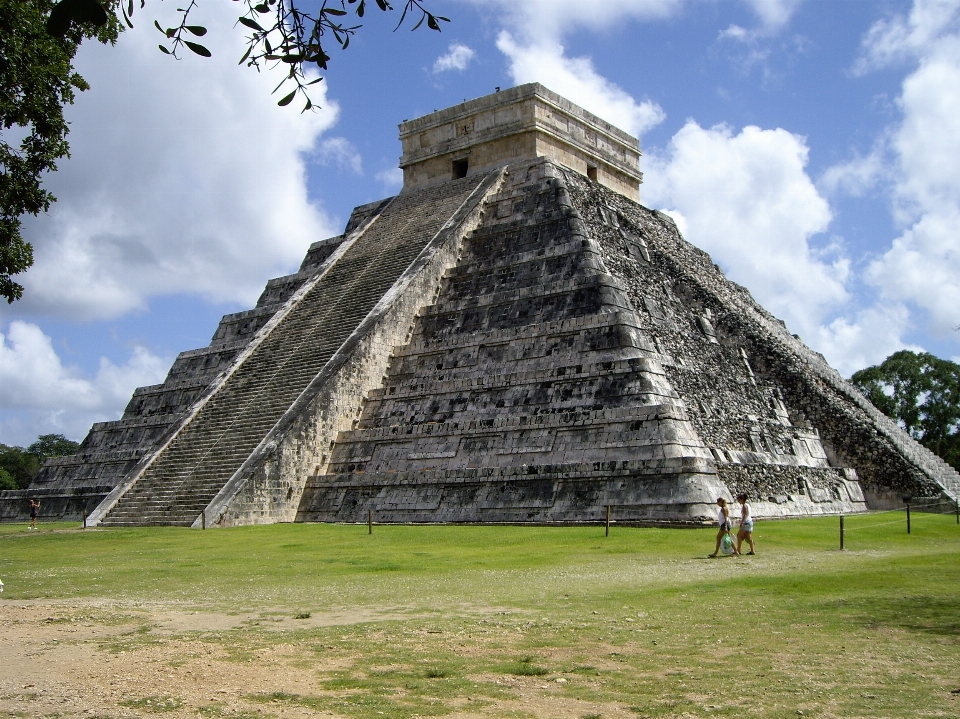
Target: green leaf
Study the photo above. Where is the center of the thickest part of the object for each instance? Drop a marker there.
(333, 11)
(78, 11)
(59, 21)
(129, 7)
(262, 8)
(157, 25)
(197, 30)
(252, 24)
(89, 11)
(246, 54)
(288, 99)
(360, 8)
(384, 5)
(199, 49)
(163, 50)
(307, 106)
(432, 23)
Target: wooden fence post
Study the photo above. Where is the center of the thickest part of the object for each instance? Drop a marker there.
(841, 531)
(908, 519)
(369, 521)
(608, 521)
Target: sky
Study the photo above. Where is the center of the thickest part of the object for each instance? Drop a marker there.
(812, 147)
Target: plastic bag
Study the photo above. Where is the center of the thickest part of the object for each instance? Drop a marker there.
(726, 544)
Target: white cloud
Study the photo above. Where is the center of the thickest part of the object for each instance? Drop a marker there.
(578, 81)
(747, 200)
(536, 54)
(899, 38)
(457, 58)
(341, 152)
(533, 45)
(867, 338)
(391, 178)
(922, 266)
(185, 177)
(856, 176)
(735, 32)
(774, 14)
(39, 395)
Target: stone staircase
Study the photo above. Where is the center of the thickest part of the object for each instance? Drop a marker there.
(525, 388)
(213, 444)
(111, 450)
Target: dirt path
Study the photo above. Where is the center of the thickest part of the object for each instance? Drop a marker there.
(100, 659)
(62, 658)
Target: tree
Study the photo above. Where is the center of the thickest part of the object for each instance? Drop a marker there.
(53, 445)
(922, 393)
(36, 81)
(21, 465)
(38, 42)
(7, 480)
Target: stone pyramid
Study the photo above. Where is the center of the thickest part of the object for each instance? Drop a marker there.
(513, 338)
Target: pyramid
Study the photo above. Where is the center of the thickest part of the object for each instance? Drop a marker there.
(512, 338)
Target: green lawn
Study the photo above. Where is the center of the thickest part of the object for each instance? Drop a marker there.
(638, 622)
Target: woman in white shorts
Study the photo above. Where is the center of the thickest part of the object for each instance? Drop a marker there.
(746, 524)
(723, 519)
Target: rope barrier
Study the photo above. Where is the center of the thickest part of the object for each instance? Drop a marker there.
(930, 506)
(877, 524)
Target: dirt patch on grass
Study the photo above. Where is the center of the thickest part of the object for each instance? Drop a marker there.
(101, 659)
(97, 658)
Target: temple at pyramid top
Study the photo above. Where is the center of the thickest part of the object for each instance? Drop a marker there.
(522, 123)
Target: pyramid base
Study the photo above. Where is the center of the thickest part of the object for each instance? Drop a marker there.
(666, 490)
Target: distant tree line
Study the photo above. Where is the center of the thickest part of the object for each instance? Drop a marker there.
(922, 393)
(19, 466)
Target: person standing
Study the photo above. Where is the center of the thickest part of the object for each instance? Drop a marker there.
(723, 519)
(34, 509)
(746, 524)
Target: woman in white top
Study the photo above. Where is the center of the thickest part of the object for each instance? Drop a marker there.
(723, 519)
(746, 524)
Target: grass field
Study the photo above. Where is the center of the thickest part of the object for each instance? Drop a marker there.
(304, 620)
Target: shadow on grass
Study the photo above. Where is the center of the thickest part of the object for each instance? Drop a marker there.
(932, 615)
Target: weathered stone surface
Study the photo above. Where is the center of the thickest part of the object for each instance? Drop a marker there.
(238, 430)
(519, 124)
(524, 344)
(112, 450)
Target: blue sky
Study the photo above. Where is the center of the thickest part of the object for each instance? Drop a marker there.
(812, 147)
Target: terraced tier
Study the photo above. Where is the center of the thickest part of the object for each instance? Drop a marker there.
(213, 444)
(528, 373)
